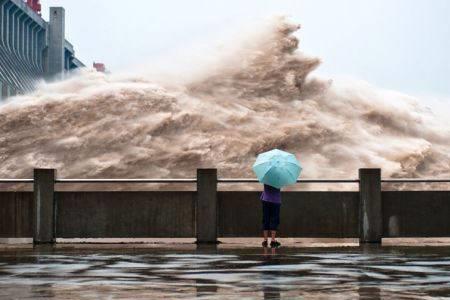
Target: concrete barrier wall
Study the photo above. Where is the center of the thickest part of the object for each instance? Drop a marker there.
(303, 214)
(16, 214)
(125, 214)
(221, 214)
(416, 214)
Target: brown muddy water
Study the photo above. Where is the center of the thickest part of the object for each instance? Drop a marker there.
(215, 273)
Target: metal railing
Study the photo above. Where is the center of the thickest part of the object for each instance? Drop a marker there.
(414, 180)
(188, 180)
(174, 180)
(246, 180)
(16, 180)
(226, 180)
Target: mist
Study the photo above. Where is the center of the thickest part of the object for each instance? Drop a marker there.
(258, 95)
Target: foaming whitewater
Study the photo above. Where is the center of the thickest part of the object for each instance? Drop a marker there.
(260, 96)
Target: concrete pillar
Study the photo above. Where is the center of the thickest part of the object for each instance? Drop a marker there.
(22, 29)
(370, 216)
(66, 61)
(2, 22)
(24, 44)
(17, 27)
(44, 206)
(56, 43)
(9, 15)
(206, 208)
(41, 53)
(4, 90)
(26, 39)
(36, 47)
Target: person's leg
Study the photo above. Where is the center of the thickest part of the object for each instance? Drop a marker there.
(273, 235)
(274, 223)
(265, 222)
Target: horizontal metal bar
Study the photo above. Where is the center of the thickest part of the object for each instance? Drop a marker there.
(126, 180)
(227, 180)
(328, 181)
(414, 180)
(224, 180)
(16, 180)
(246, 180)
(237, 180)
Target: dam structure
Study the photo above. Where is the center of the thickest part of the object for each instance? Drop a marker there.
(32, 49)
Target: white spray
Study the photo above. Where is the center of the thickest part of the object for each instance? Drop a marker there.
(259, 97)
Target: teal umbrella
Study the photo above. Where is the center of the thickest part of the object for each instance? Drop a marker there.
(277, 168)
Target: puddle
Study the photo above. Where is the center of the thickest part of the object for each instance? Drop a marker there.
(338, 273)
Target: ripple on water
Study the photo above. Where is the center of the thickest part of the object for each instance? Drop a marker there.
(251, 275)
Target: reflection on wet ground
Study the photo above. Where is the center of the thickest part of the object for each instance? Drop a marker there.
(211, 273)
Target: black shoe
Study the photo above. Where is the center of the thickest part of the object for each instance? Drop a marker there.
(275, 244)
(265, 244)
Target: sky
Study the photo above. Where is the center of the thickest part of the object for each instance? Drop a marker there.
(402, 45)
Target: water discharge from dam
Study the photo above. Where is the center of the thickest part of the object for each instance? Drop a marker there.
(260, 96)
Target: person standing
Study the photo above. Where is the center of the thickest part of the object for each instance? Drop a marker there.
(271, 203)
(275, 169)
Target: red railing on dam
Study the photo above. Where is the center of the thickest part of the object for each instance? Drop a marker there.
(208, 214)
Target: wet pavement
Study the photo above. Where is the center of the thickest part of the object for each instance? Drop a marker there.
(215, 273)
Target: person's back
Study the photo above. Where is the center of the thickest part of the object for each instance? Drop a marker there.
(271, 194)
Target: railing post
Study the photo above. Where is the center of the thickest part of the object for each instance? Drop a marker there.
(44, 206)
(370, 216)
(206, 207)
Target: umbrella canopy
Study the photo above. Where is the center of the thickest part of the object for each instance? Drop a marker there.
(277, 168)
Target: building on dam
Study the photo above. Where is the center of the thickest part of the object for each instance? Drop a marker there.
(32, 49)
